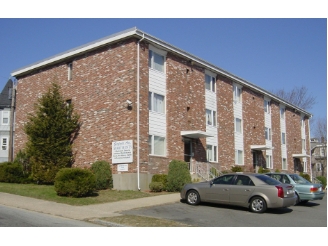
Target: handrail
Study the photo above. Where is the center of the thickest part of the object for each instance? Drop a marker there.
(205, 170)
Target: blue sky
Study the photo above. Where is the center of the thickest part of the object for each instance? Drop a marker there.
(271, 53)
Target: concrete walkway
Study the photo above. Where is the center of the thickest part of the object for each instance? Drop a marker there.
(88, 212)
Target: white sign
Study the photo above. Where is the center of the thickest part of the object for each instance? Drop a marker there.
(122, 151)
(122, 167)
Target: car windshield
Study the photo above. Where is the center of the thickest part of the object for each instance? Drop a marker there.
(299, 180)
(268, 180)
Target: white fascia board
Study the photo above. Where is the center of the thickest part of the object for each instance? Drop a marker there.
(76, 51)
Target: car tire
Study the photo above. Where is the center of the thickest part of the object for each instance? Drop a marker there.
(298, 200)
(193, 197)
(257, 205)
(304, 201)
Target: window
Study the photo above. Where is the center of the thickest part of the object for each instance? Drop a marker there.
(156, 102)
(284, 164)
(283, 138)
(303, 144)
(239, 157)
(156, 61)
(69, 71)
(5, 117)
(319, 168)
(322, 152)
(156, 145)
(209, 83)
(268, 133)
(236, 93)
(226, 179)
(4, 143)
(267, 106)
(238, 125)
(210, 117)
(269, 161)
(211, 153)
(282, 113)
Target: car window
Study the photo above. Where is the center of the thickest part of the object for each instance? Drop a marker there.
(298, 179)
(268, 180)
(243, 180)
(226, 179)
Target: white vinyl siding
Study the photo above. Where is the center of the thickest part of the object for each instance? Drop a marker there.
(283, 136)
(238, 114)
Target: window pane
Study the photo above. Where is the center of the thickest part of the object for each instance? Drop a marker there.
(207, 82)
(214, 118)
(238, 125)
(209, 152)
(158, 103)
(213, 84)
(159, 145)
(208, 117)
(214, 153)
(158, 62)
(150, 101)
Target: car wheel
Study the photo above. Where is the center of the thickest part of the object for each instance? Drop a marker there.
(193, 197)
(304, 201)
(258, 205)
(298, 200)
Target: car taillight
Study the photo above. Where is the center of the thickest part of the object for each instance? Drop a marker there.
(280, 191)
(313, 189)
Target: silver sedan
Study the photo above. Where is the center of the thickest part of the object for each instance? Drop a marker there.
(251, 190)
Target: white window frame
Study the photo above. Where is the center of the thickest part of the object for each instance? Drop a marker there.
(303, 144)
(153, 53)
(239, 157)
(212, 118)
(318, 167)
(240, 128)
(267, 131)
(237, 91)
(152, 148)
(5, 115)
(4, 143)
(267, 106)
(211, 81)
(283, 138)
(282, 112)
(211, 150)
(151, 103)
(284, 164)
(269, 163)
(70, 71)
(305, 166)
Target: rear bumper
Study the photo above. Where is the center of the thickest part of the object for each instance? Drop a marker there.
(312, 196)
(284, 202)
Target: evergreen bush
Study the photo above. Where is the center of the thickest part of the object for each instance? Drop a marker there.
(178, 175)
(103, 174)
(50, 131)
(11, 173)
(156, 186)
(323, 181)
(236, 169)
(262, 170)
(75, 182)
(162, 178)
(306, 176)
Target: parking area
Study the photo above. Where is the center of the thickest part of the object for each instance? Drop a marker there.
(312, 214)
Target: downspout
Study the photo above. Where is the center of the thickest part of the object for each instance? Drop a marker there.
(138, 112)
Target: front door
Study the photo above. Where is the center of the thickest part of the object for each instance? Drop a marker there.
(187, 150)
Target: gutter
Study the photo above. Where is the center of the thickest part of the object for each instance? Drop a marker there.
(138, 111)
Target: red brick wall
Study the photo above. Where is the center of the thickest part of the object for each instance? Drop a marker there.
(276, 135)
(226, 142)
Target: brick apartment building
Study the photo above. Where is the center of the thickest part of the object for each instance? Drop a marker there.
(144, 102)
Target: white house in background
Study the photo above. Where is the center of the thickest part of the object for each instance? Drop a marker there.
(5, 122)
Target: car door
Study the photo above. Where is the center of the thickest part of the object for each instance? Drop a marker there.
(241, 190)
(220, 188)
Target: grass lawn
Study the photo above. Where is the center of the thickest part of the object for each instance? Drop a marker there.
(47, 192)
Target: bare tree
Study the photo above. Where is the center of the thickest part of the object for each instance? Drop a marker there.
(320, 129)
(298, 96)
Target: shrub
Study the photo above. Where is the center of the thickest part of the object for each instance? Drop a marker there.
(75, 182)
(262, 170)
(162, 178)
(103, 174)
(306, 176)
(178, 175)
(323, 181)
(277, 170)
(156, 186)
(11, 172)
(235, 169)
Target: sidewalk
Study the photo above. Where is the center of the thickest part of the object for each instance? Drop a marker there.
(88, 212)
